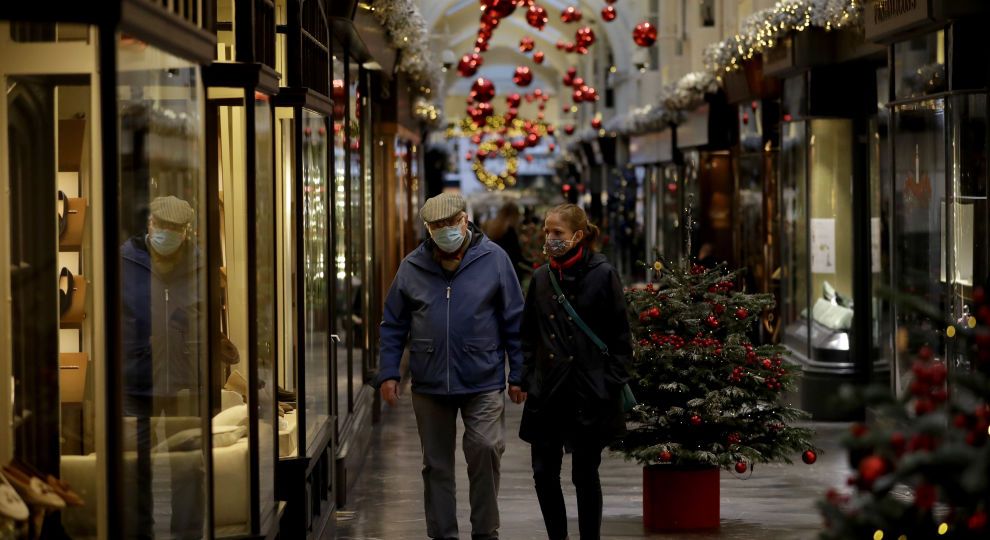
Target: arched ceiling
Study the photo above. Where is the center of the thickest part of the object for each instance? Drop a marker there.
(454, 25)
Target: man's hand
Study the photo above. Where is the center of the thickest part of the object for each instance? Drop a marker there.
(390, 392)
(516, 394)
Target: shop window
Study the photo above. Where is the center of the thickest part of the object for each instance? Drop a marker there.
(920, 67)
(163, 274)
(342, 306)
(356, 291)
(51, 252)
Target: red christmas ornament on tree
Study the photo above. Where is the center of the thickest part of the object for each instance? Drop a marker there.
(654, 312)
(741, 467)
(665, 456)
(742, 313)
(645, 34)
(585, 37)
(809, 457)
(469, 64)
(871, 468)
(523, 77)
(536, 16)
(712, 321)
(569, 129)
(695, 420)
(482, 90)
(526, 44)
(538, 57)
(571, 14)
(609, 14)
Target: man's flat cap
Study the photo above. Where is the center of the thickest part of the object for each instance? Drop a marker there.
(443, 206)
(172, 209)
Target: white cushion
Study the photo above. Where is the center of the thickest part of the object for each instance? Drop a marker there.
(234, 416)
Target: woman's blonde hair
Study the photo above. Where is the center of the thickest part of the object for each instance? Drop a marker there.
(575, 218)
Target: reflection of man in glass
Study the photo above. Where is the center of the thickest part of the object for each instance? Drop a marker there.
(159, 277)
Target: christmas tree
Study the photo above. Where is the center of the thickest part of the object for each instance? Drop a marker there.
(922, 470)
(707, 396)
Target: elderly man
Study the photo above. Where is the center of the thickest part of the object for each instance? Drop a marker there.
(457, 304)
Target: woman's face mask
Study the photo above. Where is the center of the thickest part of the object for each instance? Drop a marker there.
(555, 247)
(165, 242)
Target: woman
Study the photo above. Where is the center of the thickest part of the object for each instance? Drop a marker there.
(574, 388)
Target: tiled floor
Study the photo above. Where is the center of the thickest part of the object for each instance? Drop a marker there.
(776, 502)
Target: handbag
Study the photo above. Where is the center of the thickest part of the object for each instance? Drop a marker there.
(628, 398)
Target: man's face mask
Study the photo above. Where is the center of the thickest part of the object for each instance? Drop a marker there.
(555, 247)
(448, 239)
(165, 241)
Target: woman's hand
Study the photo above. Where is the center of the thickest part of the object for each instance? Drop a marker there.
(516, 394)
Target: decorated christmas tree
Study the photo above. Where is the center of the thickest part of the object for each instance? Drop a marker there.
(922, 470)
(706, 395)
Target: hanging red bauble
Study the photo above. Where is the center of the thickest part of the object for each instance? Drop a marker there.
(529, 98)
(485, 31)
(538, 93)
(653, 311)
(741, 467)
(480, 112)
(482, 155)
(519, 145)
(540, 115)
(529, 158)
(501, 8)
(523, 77)
(551, 147)
(561, 44)
(596, 123)
(482, 90)
(809, 457)
(978, 521)
(590, 94)
(581, 49)
(695, 420)
(513, 100)
(609, 14)
(532, 139)
(569, 129)
(481, 45)
(665, 456)
(476, 138)
(538, 57)
(469, 64)
(609, 1)
(577, 82)
(645, 34)
(511, 114)
(536, 16)
(570, 47)
(526, 44)
(871, 468)
(468, 156)
(551, 130)
(585, 37)
(571, 14)
(712, 321)
(578, 95)
(742, 313)
(568, 80)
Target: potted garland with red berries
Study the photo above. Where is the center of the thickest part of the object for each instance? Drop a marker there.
(708, 398)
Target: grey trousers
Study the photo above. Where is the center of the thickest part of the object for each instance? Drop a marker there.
(483, 442)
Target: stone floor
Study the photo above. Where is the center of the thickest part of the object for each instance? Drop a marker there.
(776, 502)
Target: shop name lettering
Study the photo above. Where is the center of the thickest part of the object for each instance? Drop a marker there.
(884, 10)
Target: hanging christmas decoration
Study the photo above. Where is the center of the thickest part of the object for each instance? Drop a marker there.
(538, 57)
(536, 16)
(482, 90)
(609, 14)
(480, 112)
(513, 100)
(577, 95)
(577, 82)
(809, 457)
(526, 44)
(469, 64)
(590, 94)
(596, 122)
(523, 76)
(741, 467)
(561, 44)
(481, 45)
(500, 8)
(645, 34)
(571, 14)
(585, 37)
(569, 129)
(529, 158)
(468, 156)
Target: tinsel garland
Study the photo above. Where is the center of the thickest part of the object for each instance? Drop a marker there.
(407, 30)
(760, 31)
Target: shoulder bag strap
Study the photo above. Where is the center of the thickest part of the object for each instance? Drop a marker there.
(562, 299)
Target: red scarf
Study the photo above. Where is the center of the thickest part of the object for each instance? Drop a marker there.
(560, 266)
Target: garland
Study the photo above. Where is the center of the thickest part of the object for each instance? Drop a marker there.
(407, 31)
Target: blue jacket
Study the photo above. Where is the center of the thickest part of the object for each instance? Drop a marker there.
(460, 330)
(161, 316)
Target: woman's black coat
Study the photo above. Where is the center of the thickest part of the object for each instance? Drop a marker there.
(574, 389)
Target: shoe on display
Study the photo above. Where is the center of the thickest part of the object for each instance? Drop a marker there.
(11, 504)
(33, 490)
